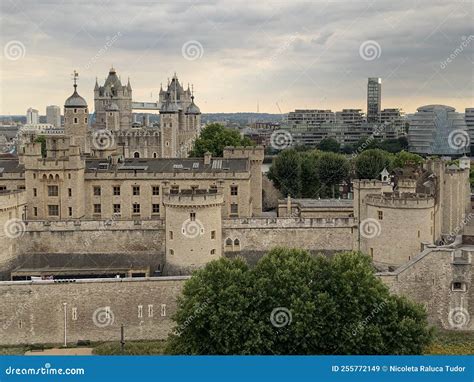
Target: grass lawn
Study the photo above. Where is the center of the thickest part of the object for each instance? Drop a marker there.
(131, 348)
(452, 342)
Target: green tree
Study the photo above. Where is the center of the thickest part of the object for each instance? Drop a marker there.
(404, 159)
(293, 303)
(310, 183)
(370, 163)
(329, 144)
(42, 139)
(331, 170)
(285, 173)
(214, 137)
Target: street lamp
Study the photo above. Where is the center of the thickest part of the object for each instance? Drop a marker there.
(65, 323)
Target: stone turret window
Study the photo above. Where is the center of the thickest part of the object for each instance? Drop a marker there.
(171, 235)
(234, 190)
(136, 208)
(97, 208)
(53, 190)
(192, 216)
(70, 211)
(213, 235)
(380, 215)
(155, 190)
(458, 286)
(69, 192)
(75, 119)
(155, 208)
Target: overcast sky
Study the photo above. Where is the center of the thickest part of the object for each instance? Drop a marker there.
(280, 54)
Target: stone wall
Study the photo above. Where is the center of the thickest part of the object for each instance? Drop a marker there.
(33, 312)
(428, 279)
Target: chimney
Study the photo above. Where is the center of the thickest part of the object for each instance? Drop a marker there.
(207, 158)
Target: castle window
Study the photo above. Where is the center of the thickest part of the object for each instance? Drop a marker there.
(155, 155)
(74, 314)
(150, 310)
(171, 252)
(35, 192)
(228, 243)
(458, 286)
(69, 176)
(85, 120)
(53, 190)
(237, 244)
(419, 233)
(171, 235)
(380, 214)
(97, 208)
(70, 211)
(136, 190)
(372, 253)
(96, 190)
(213, 235)
(53, 210)
(155, 208)
(136, 154)
(234, 190)
(155, 190)
(34, 176)
(213, 251)
(167, 144)
(69, 192)
(234, 209)
(75, 119)
(35, 211)
(116, 190)
(140, 311)
(116, 208)
(192, 216)
(75, 111)
(163, 310)
(136, 208)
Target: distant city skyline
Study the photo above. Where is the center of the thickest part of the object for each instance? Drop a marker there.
(280, 56)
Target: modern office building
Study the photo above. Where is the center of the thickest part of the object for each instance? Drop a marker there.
(438, 130)
(32, 116)
(469, 118)
(53, 115)
(374, 99)
(309, 118)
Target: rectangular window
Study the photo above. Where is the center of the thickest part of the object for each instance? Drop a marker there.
(380, 214)
(171, 235)
(155, 190)
(97, 208)
(53, 190)
(53, 210)
(136, 190)
(234, 190)
(155, 208)
(163, 310)
(116, 190)
(69, 192)
(70, 211)
(136, 208)
(192, 216)
(74, 314)
(213, 234)
(35, 192)
(96, 190)
(458, 286)
(35, 211)
(234, 209)
(150, 310)
(116, 208)
(140, 311)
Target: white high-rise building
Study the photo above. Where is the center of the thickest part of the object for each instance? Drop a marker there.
(32, 116)
(374, 99)
(53, 115)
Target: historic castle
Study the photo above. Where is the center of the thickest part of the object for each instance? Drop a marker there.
(117, 229)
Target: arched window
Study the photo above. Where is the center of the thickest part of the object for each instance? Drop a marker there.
(155, 155)
(236, 245)
(213, 251)
(136, 154)
(228, 242)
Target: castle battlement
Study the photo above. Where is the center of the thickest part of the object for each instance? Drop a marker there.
(397, 200)
(367, 183)
(290, 222)
(195, 198)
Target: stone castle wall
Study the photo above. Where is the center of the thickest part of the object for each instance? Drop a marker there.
(33, 312)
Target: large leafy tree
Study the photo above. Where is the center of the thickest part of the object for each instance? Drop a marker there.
(285, 173)
(214, 137)
(293, 303)
(329, 144)
(331, 170)
(310, 183)
(370, 163)
(404, 159)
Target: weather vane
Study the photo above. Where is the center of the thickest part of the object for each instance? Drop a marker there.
(75, 75)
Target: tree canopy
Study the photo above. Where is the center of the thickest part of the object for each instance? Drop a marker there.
(214, 137)
(329, 144)
(293, 303)
(370, 163)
